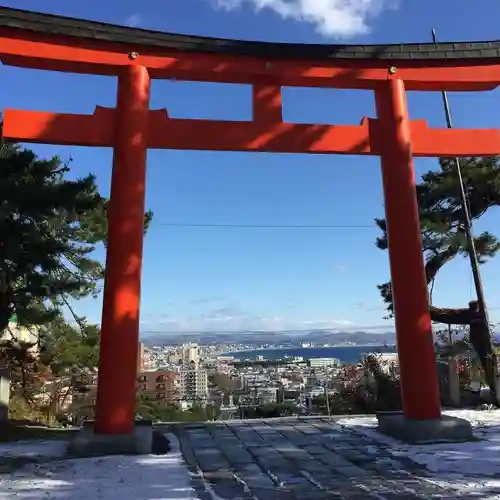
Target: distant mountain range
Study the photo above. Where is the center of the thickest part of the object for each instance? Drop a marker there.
(317, 337)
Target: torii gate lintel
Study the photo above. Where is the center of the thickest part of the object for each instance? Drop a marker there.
(266, 133)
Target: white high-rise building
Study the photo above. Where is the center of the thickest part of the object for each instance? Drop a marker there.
(193, 384)
(190, 353)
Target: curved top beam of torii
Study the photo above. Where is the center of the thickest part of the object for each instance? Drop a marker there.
(43, 41)
(76, 45)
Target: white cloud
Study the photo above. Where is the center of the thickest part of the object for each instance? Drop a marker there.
(331, 18)
(231, 319)
(133, 20)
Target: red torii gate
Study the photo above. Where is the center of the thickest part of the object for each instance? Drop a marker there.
(46, 42)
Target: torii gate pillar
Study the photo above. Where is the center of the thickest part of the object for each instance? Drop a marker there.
(409, 288)
(116, 393)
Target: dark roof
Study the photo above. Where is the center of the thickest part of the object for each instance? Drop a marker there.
(91, 30)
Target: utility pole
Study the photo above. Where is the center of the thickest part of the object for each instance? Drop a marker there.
(327, 401)
(471, 248)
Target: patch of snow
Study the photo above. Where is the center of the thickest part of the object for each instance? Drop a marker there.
(471, 467)
(147, 477)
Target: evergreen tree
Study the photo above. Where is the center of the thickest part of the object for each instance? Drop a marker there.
(49, 227)
(443, 232)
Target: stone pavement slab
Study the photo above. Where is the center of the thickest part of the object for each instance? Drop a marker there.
(298, 459)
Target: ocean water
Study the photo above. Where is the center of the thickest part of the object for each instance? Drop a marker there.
(346, 354)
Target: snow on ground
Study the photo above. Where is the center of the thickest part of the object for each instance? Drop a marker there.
(473, 467)
(148, 477)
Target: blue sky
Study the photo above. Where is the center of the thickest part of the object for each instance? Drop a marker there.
(211, 279)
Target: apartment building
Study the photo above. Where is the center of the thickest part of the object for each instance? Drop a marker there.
(193, 384)
(323, 362)
(185, 354)
(190, 353)
(160, 385)
(142, 358)
(254, 379)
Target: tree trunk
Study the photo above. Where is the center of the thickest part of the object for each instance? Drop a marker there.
(481, 339)
(450, 316)
(439, 314)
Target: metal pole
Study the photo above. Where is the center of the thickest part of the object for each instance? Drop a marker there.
(327, 401)
(467, 218)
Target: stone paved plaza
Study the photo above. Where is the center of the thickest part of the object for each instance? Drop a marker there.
(302, 459)
(310, 458)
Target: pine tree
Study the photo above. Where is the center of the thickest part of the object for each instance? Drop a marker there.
(49, 228)
(443, 232)
(442, 222)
